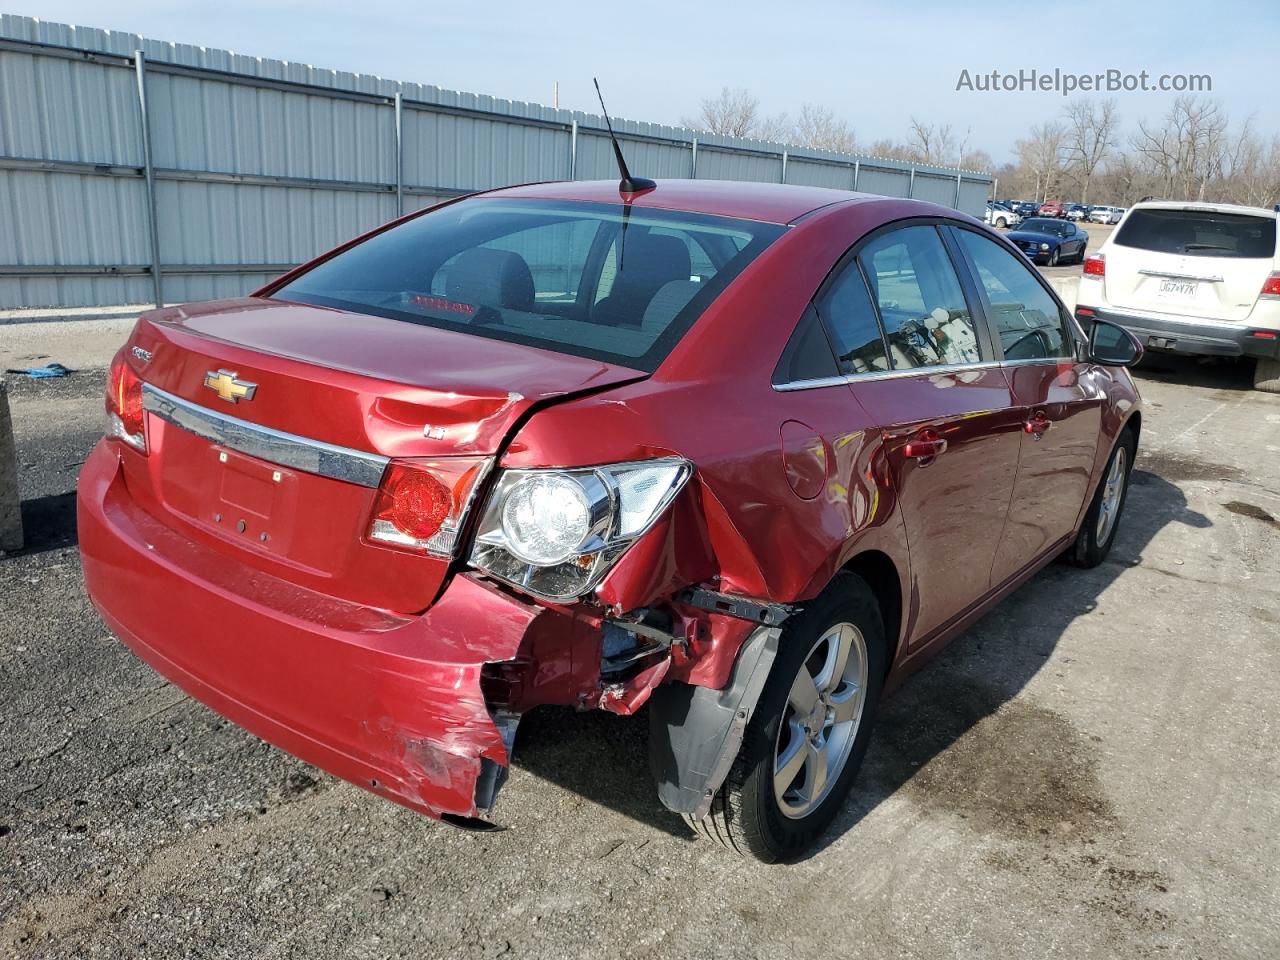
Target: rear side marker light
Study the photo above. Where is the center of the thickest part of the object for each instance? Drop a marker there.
(1264, 335)
(421, 504)
(1271, 286)
(125, 417)
(1095, 267)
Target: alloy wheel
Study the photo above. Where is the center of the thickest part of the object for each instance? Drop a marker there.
(824, 710)
(1112, 493)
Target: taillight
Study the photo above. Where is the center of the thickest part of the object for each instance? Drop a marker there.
(1271, 286)
(1095, 266)
(125, 417)
(421, 503)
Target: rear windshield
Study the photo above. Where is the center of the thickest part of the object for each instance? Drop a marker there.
(1200, 233)
(596, 280)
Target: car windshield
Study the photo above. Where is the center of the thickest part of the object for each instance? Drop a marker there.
(1200, 233)
(596, 280)
(1054, 228)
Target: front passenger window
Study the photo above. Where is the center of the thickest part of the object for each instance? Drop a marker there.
(926, 319)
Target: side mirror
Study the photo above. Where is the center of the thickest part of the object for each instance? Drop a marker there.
(1112, 345)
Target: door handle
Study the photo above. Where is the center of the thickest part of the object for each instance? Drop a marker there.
(1037, 424)
(925, 445)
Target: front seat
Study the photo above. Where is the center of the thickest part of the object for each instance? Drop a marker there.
(486, 277)
(649, 262)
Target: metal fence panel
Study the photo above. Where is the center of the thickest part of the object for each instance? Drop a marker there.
(259, 164)
(812, 174)
(889, 183)
(935, 189)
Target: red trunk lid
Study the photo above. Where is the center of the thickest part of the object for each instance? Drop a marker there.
(368, 386)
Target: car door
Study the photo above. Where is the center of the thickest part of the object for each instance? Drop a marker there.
(929, 380)
(1059, 403)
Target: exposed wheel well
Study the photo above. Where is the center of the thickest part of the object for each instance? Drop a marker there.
(1134, 423)
(880, 573)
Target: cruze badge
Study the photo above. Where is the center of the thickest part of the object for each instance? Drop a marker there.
(225, 385)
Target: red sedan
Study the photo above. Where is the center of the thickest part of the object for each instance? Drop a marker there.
(747, 453)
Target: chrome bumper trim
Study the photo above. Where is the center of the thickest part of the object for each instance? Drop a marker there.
(273, 446)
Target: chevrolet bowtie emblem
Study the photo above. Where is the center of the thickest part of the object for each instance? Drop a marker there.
(225, 385)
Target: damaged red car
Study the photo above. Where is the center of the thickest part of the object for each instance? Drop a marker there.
(747, 454)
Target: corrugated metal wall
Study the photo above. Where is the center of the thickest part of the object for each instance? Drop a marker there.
(261, 164)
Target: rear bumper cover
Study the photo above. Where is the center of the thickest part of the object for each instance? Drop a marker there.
(389, 702)
(1192, 336)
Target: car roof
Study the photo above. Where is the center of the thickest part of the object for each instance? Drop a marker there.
(746, 200)
(1203, 206)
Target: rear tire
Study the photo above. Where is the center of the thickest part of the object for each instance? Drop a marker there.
(757, 814)
(1001, 222)
(1266, 375)
(1102, 520)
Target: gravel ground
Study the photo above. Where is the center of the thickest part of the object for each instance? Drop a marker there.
(1090, 771)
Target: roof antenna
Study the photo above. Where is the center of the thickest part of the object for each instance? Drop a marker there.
(628, 184)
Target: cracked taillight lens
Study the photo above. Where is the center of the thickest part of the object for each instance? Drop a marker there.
(421, 504)
(125, 416)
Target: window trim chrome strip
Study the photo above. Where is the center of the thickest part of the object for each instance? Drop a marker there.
(273, 446)
(885, 375)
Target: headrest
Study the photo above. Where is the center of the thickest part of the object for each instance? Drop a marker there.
(491, 278)
(653, 259)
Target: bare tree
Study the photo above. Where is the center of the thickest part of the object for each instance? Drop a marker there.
(1186, 148)
(930, 143)
(734, 113)
(1090, 138)
(1042, 153)
(891, 150)
(819, 128)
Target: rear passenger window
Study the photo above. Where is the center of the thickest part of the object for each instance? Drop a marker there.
(1026, 317)
(850, 318)
(926, 320)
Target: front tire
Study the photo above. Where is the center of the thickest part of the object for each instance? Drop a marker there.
(1053, 259)
(1102, 520)
(806, 740)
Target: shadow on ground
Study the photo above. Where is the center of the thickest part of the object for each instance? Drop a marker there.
(1215, 373)
(1026, 770)
(48, 523)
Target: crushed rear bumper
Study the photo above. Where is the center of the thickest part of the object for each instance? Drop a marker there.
(392, 703)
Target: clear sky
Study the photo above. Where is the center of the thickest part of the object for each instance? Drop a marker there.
(874, 65)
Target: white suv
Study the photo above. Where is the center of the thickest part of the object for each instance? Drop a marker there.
(1197, 278)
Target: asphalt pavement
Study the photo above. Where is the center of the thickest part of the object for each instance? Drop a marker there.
(1088, 772)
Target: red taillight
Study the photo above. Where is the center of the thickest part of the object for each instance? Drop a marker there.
(1265, 335)
(1271, 286)
(1095, 266)
(125, 417)
(421, 503)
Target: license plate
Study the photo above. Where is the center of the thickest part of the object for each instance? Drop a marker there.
(1178, 289)
(1161, 343)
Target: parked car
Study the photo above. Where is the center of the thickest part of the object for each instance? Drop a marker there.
(1192, 278)
(1076, 211)
(1103, 214)
(1002, 216)
(1051, 208)
(512, 451)
(1026, 209)
(1049, 241)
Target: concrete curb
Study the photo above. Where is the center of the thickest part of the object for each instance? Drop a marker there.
(10, 505)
